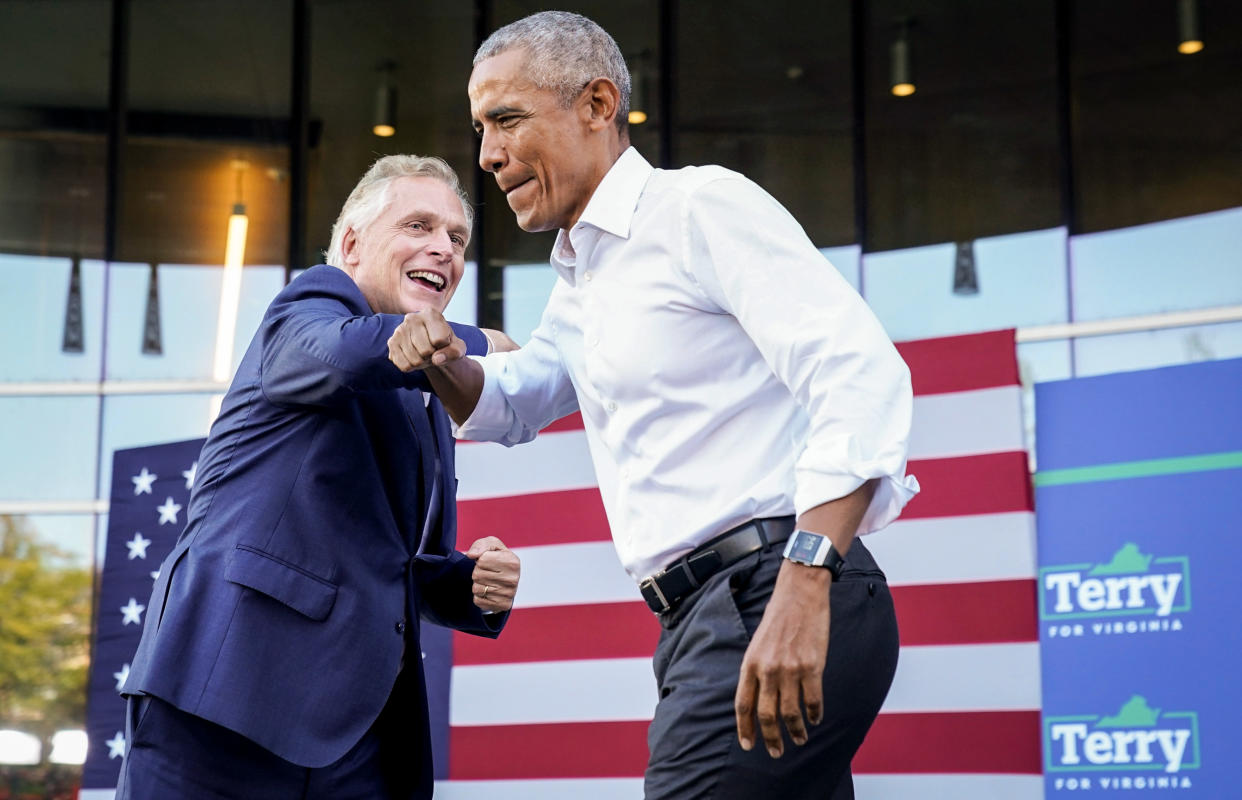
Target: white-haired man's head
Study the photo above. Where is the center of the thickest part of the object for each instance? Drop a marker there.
(564, 52)
(368, 198)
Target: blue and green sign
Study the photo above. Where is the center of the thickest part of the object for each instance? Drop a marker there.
(1139, 514)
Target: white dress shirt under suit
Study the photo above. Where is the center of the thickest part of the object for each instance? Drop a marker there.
(724, 369)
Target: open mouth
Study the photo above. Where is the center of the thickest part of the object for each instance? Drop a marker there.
(432, 280)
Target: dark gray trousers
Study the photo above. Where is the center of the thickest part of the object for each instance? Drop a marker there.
(693, 743)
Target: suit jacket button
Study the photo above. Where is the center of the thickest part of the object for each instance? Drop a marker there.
(400, 627)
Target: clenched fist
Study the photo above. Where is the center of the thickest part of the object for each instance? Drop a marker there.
(424, 339)
(496, 573)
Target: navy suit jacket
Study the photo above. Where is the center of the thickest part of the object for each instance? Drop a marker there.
(285, 609)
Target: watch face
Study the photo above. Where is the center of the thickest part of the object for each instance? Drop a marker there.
(805, 546)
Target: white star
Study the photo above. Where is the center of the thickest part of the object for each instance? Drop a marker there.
(142, 481)
(116, 746)
(168, 511)
(155, 576)
(137, 546)
(121, 677)
(133, 612)
(189, 474)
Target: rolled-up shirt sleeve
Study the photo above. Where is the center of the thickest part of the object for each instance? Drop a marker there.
(818, 337)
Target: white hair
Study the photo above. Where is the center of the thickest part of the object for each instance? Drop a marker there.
(368, 199)
(564, 52)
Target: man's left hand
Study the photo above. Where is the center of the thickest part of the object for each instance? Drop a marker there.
(496, 573)
(784, 665)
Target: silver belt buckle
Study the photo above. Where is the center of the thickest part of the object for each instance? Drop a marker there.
(651, 582)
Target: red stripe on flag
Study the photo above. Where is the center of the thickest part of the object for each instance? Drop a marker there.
(982, 612)
(977, 484)
(961, 363)
(570, 422)
(993, 483)
(937, 366)
(627, 630)
(549, 750)
(998, 742)
(573, 515)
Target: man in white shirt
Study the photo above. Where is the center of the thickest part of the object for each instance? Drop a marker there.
(728, 379)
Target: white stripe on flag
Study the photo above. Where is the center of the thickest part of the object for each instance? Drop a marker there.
(943, 787)
(967, 423)
(867, 787)
(570, 574)
(552, 462)
(975, 677)
(985, 547)
(957, 424)
(986, 677)
(606, 689)
(547, 789)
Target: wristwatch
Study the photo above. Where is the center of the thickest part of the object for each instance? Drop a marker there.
(814, 550)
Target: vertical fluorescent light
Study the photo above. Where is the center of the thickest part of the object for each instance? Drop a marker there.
(900, 73)
(1188, 42)
(230, 289)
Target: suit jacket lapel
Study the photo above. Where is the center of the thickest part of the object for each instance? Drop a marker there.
(446, 529)
(412, 400)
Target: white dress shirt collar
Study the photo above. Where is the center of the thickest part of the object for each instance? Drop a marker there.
(610, 209)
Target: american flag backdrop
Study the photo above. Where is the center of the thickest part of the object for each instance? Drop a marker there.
(557, 708)
(149, 497)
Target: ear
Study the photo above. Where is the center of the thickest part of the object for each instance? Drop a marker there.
(350, 249)
(602, 99)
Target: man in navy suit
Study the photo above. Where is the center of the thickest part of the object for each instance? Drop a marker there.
(280, 656)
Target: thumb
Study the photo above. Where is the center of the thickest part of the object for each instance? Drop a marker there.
(483, 545)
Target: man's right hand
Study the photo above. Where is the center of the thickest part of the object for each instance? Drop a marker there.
(424, 339)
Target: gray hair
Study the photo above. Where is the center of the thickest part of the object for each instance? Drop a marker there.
(564, 52)
(367, 200)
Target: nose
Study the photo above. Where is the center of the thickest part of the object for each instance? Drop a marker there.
(440, 243)
(492, 155)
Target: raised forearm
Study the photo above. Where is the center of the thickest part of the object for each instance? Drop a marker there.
(458, 384)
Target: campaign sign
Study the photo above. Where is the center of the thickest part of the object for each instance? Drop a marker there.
(1138, 504)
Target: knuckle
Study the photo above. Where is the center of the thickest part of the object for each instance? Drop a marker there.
(767, 719)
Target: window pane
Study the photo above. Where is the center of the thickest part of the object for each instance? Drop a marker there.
(527, 287)
(765, 89)
(1155, 131)
(209, 88)
(137, 420)
(1021, 281)
(974, 151)
(1124, 352)
(53, 85)
(1195, 262)
(49, 447)
(34, 294)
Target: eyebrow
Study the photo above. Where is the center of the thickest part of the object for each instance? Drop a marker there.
(431, 216)
(499, 111)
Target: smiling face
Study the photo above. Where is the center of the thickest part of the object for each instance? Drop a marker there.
(545, 157)
(412, 256)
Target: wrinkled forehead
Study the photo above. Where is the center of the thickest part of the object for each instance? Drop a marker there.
(423, 196)
(503, 78)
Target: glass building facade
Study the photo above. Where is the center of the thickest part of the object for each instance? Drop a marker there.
(1059, 161)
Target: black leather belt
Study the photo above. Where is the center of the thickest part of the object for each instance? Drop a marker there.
(664, 590)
